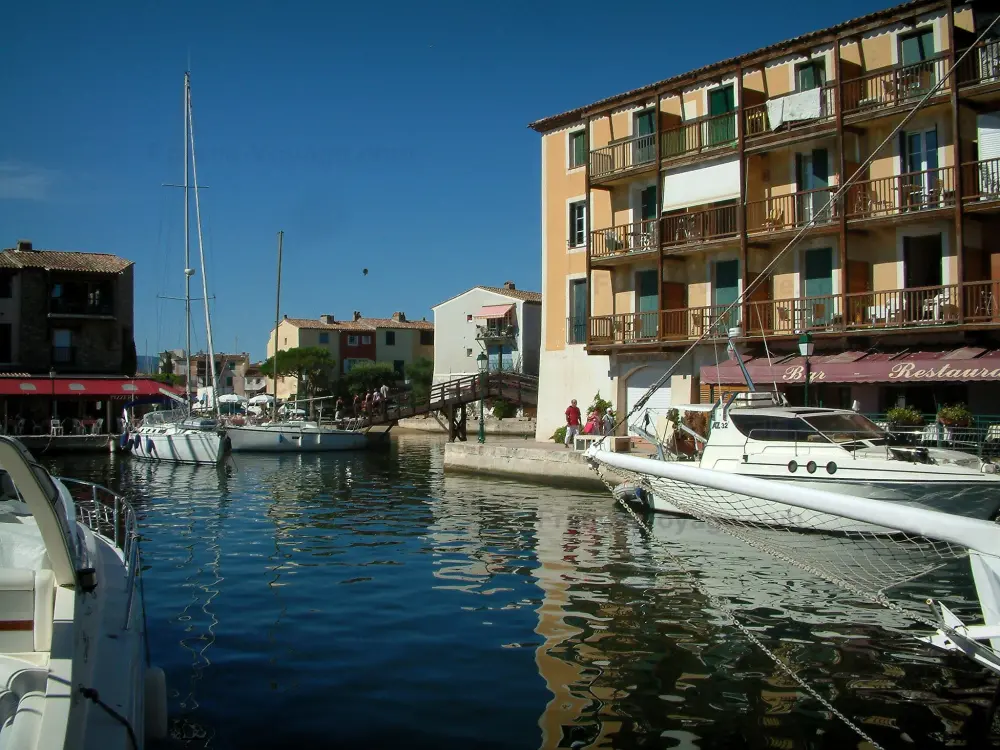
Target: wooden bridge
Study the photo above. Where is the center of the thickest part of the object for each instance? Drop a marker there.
(453, 397)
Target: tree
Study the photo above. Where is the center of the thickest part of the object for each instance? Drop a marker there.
(366, 376)
(311, 366)
(167, 363)
(421, 374)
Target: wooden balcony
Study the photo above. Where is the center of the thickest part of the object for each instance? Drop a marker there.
(757, 122)
(972, 303)
(792, 211)
(627, 240)
(981, 184)
(982, 66)
(902, 195)
(622, 158)
(699, 135)
(696, 227)
(901, 85)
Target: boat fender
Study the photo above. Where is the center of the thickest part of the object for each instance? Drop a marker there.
(149, 446)
(137, 442)
(155, 704)
(124, 441)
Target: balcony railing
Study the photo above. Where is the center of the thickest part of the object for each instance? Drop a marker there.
(63, 355)
(893, 87)
(504, 332)
(891, 196)
(981, 66)
(611, 242)
(576, 331)
(622, 156)
(698, 135)
(791, 211)
(810, 108)
(981, 180)
(698, 226)
(972, 302)
(60, 306)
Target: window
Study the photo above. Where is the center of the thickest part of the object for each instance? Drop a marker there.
(468, 352)
(352, 340)
(324, 338)
(399, 366)
(6, 285)
(62, 346)
(6, 343)
(231, 365)
(578, 224)
(468, 318)
(229, 382)
(426, 338)
(366, 340)
(810, 75)
(577, 149)
(576, 328)
(390, 338)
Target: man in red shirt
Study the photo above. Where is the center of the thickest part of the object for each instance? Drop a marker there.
(572, 422)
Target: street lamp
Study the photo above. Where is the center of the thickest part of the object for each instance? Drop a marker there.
(806, 347)
(483, 361)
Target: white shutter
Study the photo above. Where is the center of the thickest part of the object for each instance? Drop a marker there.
(988, 131)
(659, 402)
(705, 183)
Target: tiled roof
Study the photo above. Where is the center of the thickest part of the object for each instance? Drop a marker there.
(812, 37)
(514, 293)
(364, 324)
(58, 260)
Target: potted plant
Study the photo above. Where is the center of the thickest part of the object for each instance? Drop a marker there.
(956, 415)
(904, 416)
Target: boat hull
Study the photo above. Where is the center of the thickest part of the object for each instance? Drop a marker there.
(974, 499)
(181, 446)
(285, 439)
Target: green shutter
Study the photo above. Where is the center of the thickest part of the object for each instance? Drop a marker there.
(644, 123)
(648, 302)
(918, 47)
(579, 151)
(648, 199)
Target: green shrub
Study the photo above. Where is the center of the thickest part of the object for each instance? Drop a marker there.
(904, 415)
(503, 409)
(559, 436)
(957, 415)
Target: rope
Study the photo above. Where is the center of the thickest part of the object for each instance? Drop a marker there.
(767, 351)
(723, 607)
(92, 695)
(794, 241)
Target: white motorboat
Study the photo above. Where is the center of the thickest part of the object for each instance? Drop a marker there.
(73, 669)
(294, 436)
(178, 435)
(837, 450)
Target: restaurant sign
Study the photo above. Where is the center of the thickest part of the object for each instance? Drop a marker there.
(860, 371)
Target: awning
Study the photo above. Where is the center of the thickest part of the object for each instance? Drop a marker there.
(96, 388)
(493, 311)
(961, 365)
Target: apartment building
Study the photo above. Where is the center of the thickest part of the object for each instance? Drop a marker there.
(65, 312)
(663, 204)
(394, 340)
(230, 372)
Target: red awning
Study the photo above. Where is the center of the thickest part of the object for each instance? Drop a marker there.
(960, 365)
(493, 311)
(96, 388)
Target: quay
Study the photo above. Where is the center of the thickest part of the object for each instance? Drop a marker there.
(438, 424)
(546, 463)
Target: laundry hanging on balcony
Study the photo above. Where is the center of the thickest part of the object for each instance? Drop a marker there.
(804, 105)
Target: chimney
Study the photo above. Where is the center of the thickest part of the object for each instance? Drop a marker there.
(328, 319)
(357, 315)
(24, 246)
(399, 317)
(286, 316)
(509, 285)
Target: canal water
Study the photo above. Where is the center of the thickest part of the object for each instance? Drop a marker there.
(370, 600)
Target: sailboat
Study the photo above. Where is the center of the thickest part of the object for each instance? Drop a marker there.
(294, 435)
(177, 435)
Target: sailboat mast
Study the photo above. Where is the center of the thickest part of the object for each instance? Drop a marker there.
(187, 251)
(277, 321)
(201, 252)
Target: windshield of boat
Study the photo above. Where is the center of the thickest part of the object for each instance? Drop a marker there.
(846, 427)
(774, 427)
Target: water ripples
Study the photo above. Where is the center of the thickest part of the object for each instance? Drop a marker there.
(370, 600)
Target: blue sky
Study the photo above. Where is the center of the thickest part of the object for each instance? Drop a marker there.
(389, 136)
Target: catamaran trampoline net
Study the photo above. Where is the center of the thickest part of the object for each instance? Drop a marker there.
(864, 559)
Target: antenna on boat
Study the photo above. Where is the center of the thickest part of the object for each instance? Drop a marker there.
(277, 322)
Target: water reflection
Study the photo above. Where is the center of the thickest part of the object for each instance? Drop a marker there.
(371, 600)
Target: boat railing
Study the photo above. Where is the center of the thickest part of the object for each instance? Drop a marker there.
(111, 516)
(161, 418)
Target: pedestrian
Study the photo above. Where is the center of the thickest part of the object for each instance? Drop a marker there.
(385, 392)
(357, 403)
(572, 422)
(608, 422)
(339, 409)
(376, 402)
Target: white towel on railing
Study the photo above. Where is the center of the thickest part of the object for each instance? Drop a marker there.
(805, 105)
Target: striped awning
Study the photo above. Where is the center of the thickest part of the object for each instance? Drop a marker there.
(493, 311)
